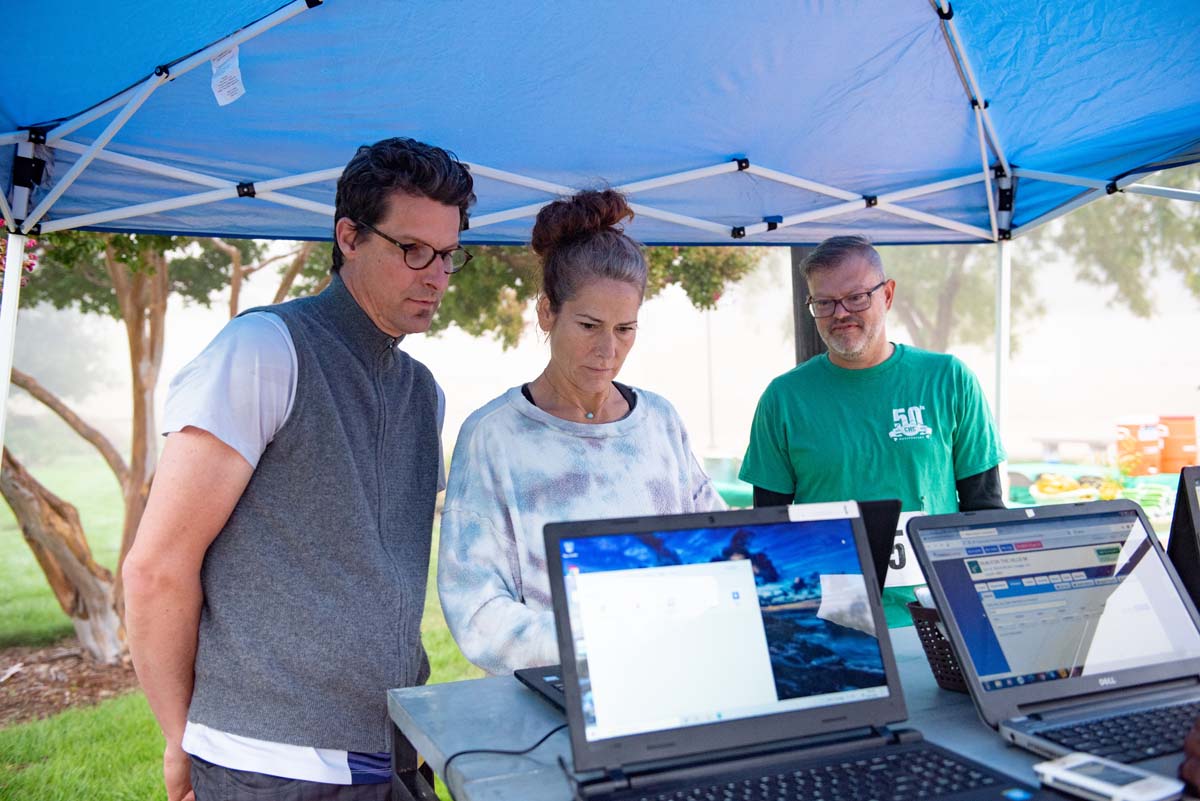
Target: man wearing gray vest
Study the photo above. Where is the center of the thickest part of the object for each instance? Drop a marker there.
(275, 588)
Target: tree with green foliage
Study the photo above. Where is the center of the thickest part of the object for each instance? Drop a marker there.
(128, 278)
(946, 293)
(491, 295)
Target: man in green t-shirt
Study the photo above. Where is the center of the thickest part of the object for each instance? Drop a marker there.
(871, 419)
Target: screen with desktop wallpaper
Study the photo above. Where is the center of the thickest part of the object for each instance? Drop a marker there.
(679, 628)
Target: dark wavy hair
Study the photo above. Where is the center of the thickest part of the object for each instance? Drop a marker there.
(399, 165)
(580, 239)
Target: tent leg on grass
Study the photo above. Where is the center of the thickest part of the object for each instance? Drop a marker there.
(1003, 332)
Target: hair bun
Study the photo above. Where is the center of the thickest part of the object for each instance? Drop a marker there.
(584, 213)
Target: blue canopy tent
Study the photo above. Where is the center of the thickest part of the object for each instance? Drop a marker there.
(754, 123)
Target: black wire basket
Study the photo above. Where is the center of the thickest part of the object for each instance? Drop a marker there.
(946, 670)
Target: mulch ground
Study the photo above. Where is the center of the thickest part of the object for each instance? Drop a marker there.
(36, 683)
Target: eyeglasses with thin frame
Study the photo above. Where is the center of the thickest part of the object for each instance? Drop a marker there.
(859, 301)
(418, 255)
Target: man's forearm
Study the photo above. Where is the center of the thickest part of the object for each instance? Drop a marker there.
(162, 618)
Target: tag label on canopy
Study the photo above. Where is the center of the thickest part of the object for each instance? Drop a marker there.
(227, 83)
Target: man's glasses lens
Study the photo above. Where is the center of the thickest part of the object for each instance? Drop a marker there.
(418, 256)
(859, 301)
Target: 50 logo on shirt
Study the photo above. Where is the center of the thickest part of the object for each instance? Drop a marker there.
(909, 424)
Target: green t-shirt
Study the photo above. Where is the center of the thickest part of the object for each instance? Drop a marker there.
(908, 428)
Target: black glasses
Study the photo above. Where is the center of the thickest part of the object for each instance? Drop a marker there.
(418, 255)
(859, 301)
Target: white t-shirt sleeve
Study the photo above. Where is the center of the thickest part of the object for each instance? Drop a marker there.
(240, 388)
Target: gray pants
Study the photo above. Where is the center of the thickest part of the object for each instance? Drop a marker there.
(215, 783)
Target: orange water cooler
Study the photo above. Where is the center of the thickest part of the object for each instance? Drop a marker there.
(1139, 447)
(1179, 443)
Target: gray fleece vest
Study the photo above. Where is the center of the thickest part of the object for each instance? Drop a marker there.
(313, 591)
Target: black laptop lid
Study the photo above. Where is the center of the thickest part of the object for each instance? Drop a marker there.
(1048, 603)
(690, 635)
(880, 519)
(1184, 545)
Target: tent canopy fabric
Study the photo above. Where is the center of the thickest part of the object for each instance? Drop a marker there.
(767, 123)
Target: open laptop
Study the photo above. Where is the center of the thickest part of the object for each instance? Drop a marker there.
(1072, 629)
(735, 654)
(880, 519)
(1183, 547)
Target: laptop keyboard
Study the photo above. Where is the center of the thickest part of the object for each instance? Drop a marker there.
(1130, 737)
(913, 774)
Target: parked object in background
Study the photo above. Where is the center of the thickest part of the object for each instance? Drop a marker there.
(1041, 483)
(1139, 446)
(1179, 442)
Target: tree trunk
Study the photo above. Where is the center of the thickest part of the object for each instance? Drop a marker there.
(142, 298)
(84, 589)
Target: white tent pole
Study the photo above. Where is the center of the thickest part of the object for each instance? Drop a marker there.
(1124, 184)
(519, 180)
(217, 183)
(1163, 191)
(643, 211)
(987, 173)
(1003, 333)
(947, 16)
(6, 212)
(933, 219)
(142, 165)
(1080, 200)
(13, 137)
(98, 217)
(10, 296)
(506, 215)
(14, 259)
(298, 203)
(802, 183)
(91, 115)
(1066, 208)
(678, 178)
(808, 216)
(929, 189)
(62, 185)
(1058, 178)
(679, 219)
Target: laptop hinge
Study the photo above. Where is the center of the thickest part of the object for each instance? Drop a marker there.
(614, 779)
(1046, 710)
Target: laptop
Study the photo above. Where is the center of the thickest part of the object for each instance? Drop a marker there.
(880, 519)
(1183, 546)
(738, 654)
(1073, 630)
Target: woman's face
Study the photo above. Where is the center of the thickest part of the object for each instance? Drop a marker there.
(592, 333)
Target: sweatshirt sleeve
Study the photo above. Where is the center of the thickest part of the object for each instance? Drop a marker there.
(479, 577)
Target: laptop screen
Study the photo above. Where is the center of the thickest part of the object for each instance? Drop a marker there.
(700, 625)
(1045, 599)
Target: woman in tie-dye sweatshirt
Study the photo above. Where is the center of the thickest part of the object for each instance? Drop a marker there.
(572, 444)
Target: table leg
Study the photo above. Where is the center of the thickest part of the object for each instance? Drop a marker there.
(412, 779)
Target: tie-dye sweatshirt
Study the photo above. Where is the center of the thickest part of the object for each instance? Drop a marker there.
(516, 468)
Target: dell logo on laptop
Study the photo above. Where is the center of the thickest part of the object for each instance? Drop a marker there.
(1107, 681)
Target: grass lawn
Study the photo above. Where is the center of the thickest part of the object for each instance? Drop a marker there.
(112, 751)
